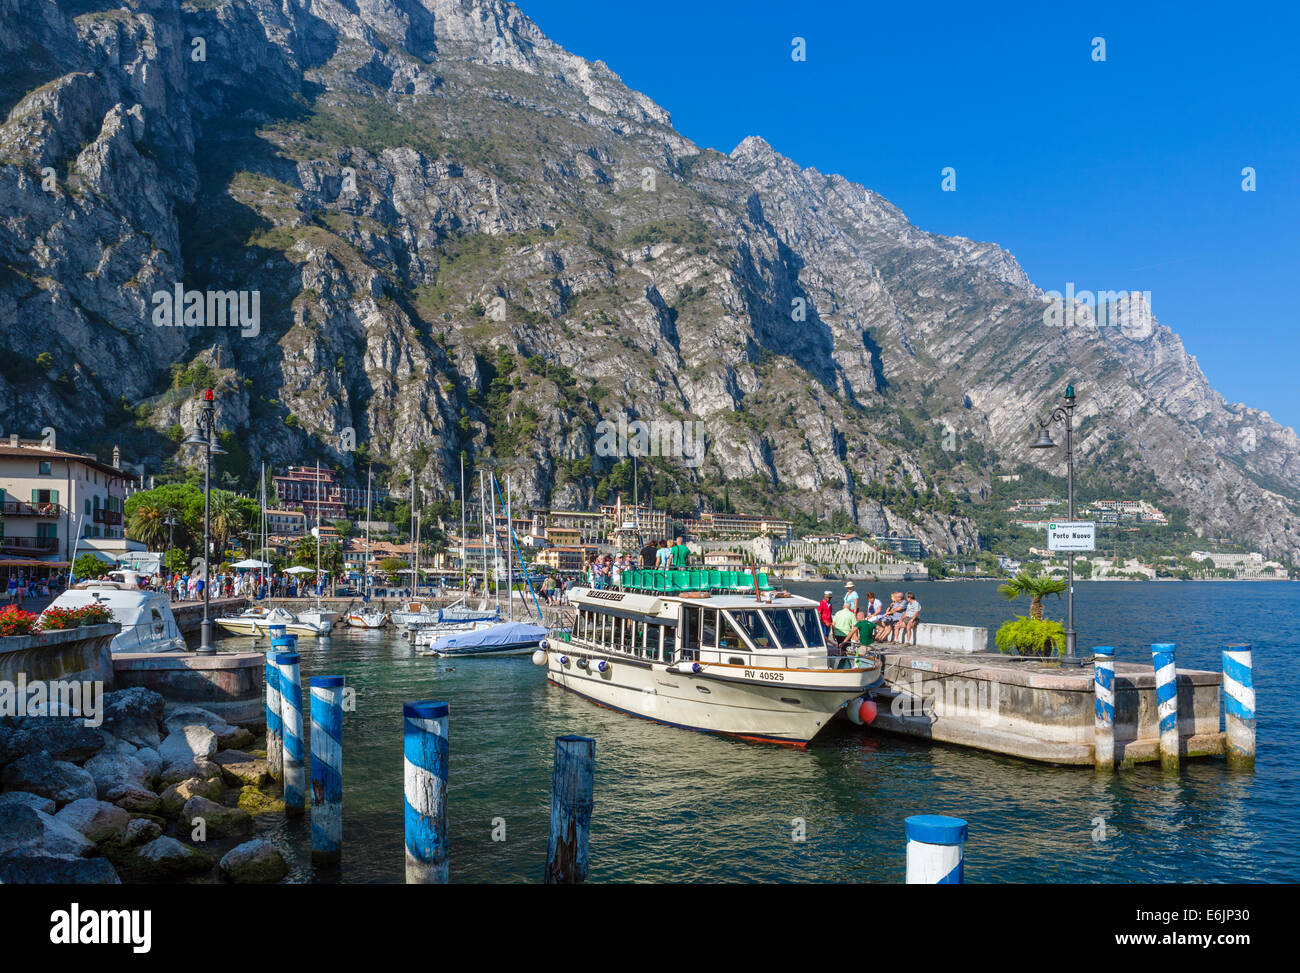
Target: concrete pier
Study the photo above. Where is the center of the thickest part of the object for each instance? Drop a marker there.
(1040, 710)
(228, 683)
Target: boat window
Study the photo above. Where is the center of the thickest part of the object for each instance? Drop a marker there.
(783, 628)
(702, 628)
(747, 622)
(811, 628)
(670, 643)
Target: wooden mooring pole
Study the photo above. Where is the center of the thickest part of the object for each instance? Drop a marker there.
(572, 799)
(1103, 672)
(1162, 660)
(326, 769)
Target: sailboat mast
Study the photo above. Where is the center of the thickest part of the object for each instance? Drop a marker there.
(496, 562)
(510, 560)
(366, 567)
(319, 586)
(464, 565)
(482, 531)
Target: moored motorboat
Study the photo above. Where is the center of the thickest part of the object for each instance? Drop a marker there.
(145, 616)
(499, 638)
(367, 619)
(257, 622)
(752, 666)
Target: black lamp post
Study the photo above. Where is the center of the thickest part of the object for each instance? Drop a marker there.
(205, 436)
(1064, 413)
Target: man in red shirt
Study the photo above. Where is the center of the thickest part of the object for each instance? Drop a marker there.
(824, 612)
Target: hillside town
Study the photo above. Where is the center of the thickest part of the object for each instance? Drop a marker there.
(59, 506)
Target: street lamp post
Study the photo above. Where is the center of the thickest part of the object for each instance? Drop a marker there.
(204, 436)
(1064, 413)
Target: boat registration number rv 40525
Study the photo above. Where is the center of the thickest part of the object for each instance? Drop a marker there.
(773, 676)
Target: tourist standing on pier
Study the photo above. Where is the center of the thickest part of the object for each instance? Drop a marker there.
(850, 597)
(824, 612)
(681, 555)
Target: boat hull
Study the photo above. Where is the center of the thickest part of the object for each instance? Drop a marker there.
(258, 628)
(516, 648)
(788, 711)
(368, 621)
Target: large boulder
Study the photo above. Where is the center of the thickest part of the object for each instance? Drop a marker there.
(175, 796)
(133, 715)
(177, 716)
(167, 858)
(136, 800)
(26, 831)
(140, 831)
(31, 800)
(62, 737)
(186, 752)
(111, 770)
(239, 768)
(218, 819)
(97, 820)
(27, 869)
(41, 774)
(256, 862)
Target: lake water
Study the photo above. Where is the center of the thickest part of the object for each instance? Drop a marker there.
(676, 806)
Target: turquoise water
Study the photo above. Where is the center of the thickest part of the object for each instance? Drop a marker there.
(676, 806)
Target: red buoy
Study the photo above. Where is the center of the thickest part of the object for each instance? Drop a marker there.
(867, 711)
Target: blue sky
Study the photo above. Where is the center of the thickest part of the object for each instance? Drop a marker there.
(1122, 175)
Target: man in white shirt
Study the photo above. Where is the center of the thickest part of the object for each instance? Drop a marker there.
(911, 615)
(873, 607)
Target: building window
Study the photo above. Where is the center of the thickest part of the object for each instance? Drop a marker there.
(43, 469)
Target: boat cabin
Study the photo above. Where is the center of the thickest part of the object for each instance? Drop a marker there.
(782, 632)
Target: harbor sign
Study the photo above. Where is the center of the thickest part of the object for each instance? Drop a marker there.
(1072, 535)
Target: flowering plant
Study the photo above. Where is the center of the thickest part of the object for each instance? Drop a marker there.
(95, 614)
(15, 621)
(56, 619)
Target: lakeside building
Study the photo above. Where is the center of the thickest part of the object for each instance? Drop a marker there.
(1248, 567)
(908, 547)
(305, 488)
(57, 504)
(738, 526)
(291, 523)
(592, 526)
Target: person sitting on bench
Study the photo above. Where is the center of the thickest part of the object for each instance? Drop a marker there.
(889, 622)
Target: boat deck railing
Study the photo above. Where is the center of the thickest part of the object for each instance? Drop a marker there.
(677, 580)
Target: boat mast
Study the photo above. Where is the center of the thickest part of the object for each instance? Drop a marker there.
(510, 561)
(366, 566)
(482, 532)
(319, 586)
(496, 561)
(415, 547)
(464, 564)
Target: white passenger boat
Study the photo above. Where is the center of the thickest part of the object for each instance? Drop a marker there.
(755, 667)
(257, 622)
(145, 616)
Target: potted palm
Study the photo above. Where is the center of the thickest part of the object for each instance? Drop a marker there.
(1031, 634)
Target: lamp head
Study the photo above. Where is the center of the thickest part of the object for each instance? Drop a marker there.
(1044, 441)
(1069, 393)
(194, 439)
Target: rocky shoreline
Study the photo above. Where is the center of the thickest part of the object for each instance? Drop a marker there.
(158, 792)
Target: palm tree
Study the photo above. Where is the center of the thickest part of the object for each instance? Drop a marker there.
(225, 518)
(1036, 586)
(147, 525)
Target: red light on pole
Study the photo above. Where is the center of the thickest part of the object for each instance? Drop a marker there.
(207, 395)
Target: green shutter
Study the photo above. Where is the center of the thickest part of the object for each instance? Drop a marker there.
(54, 496)
(34, 492)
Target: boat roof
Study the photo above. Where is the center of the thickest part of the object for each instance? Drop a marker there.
(653, 604)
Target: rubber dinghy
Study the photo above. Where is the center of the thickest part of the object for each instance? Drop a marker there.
(504, 639)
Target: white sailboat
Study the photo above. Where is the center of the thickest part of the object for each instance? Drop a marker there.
(363, 618)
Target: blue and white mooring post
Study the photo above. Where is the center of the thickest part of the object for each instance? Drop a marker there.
(326, 769)
(295, 771)
(572, 800)
(274, 724)
(1238, 706)
(1162, 659)
(424, 746)
(936, 847)
(1103, 681)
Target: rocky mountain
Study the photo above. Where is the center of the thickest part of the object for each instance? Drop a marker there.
(451, 236)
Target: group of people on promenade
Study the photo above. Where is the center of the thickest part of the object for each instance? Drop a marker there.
(869, 621)
(606, 571)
